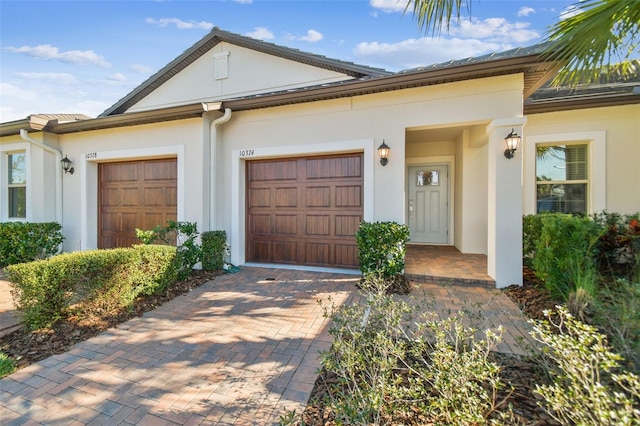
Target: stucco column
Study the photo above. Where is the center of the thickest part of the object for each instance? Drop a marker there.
(504, 218)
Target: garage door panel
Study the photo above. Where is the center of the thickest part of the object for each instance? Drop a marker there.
(110, 197)
(134, 194)
(286, 197)
(272, 171)
(349, 196)
(119, 172)
(286, 224)
(317, 225)
(346, 255)
(347, 225)
(285, 251)
(334, 167)
(313, 218)
(260, 224)
(259, 197)
(318, 196)
(160, 171)
(317, 253)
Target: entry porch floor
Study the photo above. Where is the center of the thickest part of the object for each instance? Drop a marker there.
(446, 265)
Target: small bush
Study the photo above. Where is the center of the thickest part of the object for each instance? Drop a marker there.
(182, 234)
(587, 388)
(531, 233)
(213, 249)
(24, 242)
(7, 366)
(382, 248)
(619, 244)
(565, 250)
(46, 290)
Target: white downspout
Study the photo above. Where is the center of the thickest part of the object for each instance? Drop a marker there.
(24, 134)
(213, 130)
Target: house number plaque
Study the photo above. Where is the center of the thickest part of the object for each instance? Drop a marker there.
(247, 152)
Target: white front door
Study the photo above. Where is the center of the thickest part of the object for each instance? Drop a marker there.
(429, 203)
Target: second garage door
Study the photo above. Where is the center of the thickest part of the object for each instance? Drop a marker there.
(305, 211)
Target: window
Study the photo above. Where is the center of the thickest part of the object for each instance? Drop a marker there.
(17, 185)
(562, 178)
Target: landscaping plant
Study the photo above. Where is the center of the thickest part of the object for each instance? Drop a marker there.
(382, 248)
(180, 234)
(213, 249)
(588, 386)
(24, 242)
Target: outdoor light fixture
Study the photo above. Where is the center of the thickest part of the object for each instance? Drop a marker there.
(66, 165)
(383, 153)
(512, 140)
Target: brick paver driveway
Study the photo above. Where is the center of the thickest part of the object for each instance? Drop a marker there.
(239, 350)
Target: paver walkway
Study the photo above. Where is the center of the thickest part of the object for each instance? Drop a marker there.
(238, 350)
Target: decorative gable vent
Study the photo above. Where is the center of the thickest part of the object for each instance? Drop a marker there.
(221, 65)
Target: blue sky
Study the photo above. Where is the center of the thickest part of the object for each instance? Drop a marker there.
(83, 56)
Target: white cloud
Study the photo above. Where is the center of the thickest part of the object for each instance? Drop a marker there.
(118, 77)
(142, 69)
(414, 53)
(243, 1)
(389, 6)
(180, 24)
(261, 33)
(48, 52)
(312, 36)
(526, 11)
(55, 77)
(495, 29)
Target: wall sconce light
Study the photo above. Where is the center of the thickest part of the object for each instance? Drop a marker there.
(383, 153)
(66, 165)
(512, 140)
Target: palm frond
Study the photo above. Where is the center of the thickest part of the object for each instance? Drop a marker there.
(586, 43)
(431, 15)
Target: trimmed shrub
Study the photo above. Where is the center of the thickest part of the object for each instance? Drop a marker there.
(24, 242)
(531, 232)
(382, 248)
(184, 234)
(213, 248)
(46, 290)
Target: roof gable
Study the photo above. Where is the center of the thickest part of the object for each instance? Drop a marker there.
(217, 38)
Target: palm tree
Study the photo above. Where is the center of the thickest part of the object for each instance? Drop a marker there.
(585, 42)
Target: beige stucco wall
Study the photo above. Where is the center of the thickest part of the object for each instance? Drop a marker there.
(196, 83)
(621, 128)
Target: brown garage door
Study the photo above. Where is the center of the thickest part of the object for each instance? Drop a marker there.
(134, 194)
(304, 211)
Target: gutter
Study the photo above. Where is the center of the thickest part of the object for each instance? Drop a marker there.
(213, 137)
(24, 134)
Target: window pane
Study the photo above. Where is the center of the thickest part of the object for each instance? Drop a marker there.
(561, 163)
(18, 202)
(17, 169)
(559, 198)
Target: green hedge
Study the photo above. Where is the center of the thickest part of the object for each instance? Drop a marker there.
(382, 248)
(46, 290)
(213, 246)
(25, 242)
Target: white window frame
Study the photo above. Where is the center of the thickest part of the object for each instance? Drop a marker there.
(5, 151)
(596, 142)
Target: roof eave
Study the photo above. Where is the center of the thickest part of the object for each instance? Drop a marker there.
(568, 104)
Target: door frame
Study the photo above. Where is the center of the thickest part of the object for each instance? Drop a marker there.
(445, 160)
